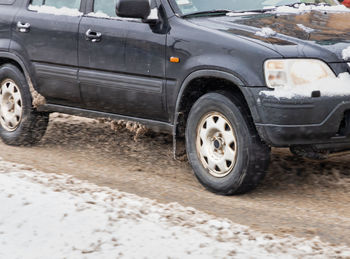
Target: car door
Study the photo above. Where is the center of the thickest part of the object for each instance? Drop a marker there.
(8, 10)
(122, 64)
(46, 33)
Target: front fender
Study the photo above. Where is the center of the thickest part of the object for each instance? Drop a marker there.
(234, 79)
(237, 82)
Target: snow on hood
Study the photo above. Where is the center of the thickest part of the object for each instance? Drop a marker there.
(346, 53)
(311, 34)
(304, 28)
(266, 32)
(300, 8)
(339, 86)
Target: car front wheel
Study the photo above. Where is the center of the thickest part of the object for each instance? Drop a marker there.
(223, 147)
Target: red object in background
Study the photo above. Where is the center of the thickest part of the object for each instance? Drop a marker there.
(346, 3)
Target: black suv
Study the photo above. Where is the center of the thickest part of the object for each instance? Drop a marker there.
(229, 78)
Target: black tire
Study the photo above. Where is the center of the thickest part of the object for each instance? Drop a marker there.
(33, 124)
(252, 156)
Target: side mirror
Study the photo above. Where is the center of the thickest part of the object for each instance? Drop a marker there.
(133, 8)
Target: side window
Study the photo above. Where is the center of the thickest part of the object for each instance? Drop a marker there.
(37, 2)
(72, 4)
(105, 7)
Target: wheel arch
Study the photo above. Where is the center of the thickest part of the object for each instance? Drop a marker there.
(204, 81)
(8, 57)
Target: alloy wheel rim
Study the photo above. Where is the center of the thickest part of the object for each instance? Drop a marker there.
(11, 105)
(216, 144)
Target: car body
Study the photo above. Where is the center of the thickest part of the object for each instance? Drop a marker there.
(154, 70)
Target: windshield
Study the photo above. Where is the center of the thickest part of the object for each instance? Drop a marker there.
(193, 6)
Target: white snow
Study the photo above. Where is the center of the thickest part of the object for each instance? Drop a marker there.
(339, 86)
(301, 8)
(57, 216)
(266, 32)
(55, 11)
(305, 28)
(346, 53)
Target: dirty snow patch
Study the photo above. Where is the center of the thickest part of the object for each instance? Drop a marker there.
(266, 32)
(58, 216)
(339, 86)
(55, 11)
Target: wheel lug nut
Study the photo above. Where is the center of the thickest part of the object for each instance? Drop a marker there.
(217, 144)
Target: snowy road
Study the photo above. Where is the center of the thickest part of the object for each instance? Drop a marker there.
(298, 197)
(58, 216)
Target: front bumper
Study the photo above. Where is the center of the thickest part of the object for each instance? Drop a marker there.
(303, 121)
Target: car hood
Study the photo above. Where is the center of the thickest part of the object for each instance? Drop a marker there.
(313, 34)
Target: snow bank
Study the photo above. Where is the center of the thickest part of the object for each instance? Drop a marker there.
(55, 11)
(301, 8)
(57, 216)
(266, 32)
(346, 53)
(339, 86)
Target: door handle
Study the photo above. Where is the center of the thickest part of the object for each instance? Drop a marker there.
(23, 27)
(93, 36)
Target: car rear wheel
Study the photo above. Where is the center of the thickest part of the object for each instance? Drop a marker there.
(223, 147)
(20, 123)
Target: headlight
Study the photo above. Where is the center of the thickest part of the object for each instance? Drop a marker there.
(295, 72)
